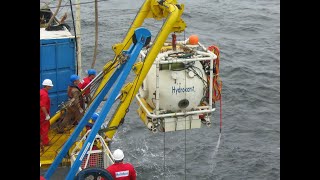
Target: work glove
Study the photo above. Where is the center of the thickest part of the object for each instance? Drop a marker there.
(47, 117)
(81, 110)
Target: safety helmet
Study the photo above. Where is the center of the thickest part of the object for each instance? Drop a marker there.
(95, 116)
(118, 155)
(92, 72)
(74, 77)
(47, 82)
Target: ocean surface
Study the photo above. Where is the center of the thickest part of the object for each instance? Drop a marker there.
(248, 35)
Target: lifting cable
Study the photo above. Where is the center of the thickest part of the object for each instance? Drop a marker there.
(218, 143)
(217, 89)
(185, 127)
(88, 2)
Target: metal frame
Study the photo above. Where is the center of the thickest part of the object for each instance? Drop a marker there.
(202, 109)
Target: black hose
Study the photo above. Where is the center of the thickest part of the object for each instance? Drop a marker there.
(75, 35)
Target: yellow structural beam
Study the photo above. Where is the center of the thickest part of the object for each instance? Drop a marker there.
(171, 22)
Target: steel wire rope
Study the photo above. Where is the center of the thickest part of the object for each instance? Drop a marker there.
(164, 162)
(219, 139)
(109, 17)
(217, 97)
(88, 2)
(107, 70)
(190, 124)
(138, 76)
(93, 87)
(164, 135)
(185, 126)
(70, 4)
(101, 31)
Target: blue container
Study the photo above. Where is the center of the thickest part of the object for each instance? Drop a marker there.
(57, 62)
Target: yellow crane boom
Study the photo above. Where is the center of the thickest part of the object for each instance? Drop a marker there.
(150, 9)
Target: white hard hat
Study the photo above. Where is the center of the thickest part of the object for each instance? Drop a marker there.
(118, 155)
(47, 82)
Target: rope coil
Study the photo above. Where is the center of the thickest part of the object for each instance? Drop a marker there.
(216, 82)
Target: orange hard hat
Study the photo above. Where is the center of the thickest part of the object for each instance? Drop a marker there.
(193, 39)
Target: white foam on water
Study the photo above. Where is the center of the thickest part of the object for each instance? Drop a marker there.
(215, 153)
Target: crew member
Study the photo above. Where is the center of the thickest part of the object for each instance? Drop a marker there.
(91, 75)
(75, 110)
(120, 170)
(94, 117)
(45, 112)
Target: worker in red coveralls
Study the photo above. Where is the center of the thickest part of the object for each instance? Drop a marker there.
(42, 178)
(45, 111)
(120, 170)
(91, 75)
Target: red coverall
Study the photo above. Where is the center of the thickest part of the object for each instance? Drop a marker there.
(122, 171)
(86, 94)
(86, 81)
(44, 125)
